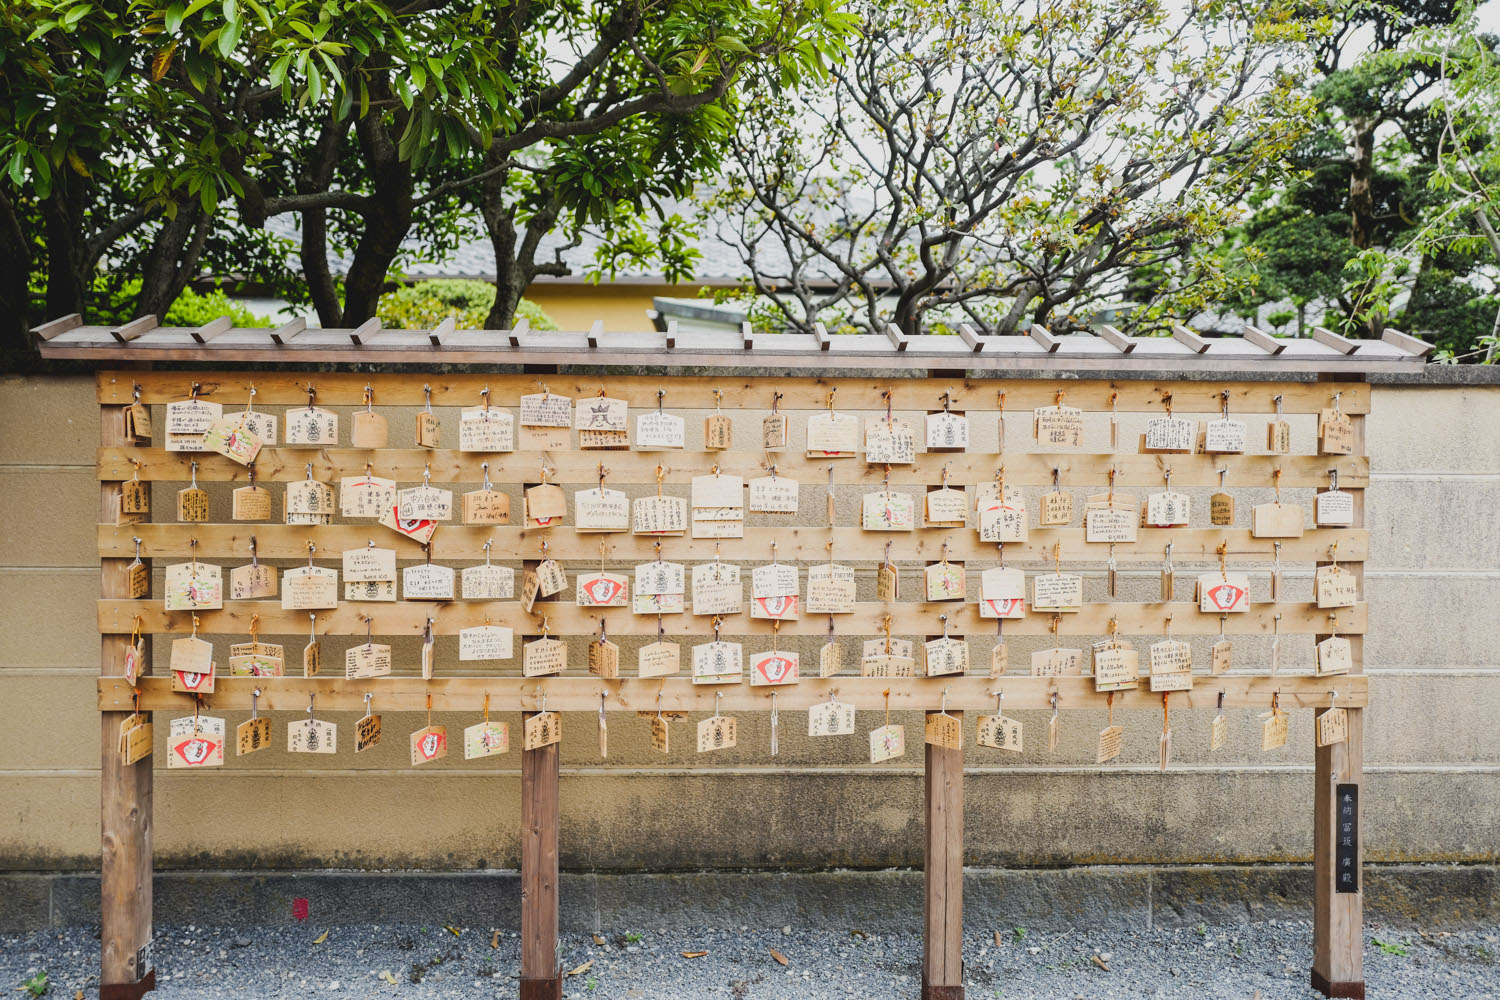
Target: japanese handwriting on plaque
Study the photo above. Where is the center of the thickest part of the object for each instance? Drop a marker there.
(309, 588)
(718, 732)
(1167, 509)
(1171, 665)
(832, 435)
(1116, 667)
(599, 510)
(311, 427)
(1056, 508)
(947, 431)
(1223, 593)
(718, 663)
(486, 642)
(135, 738)
(659, 588)
(658, 515)
(195, 741)
(257, 659)
(250, 503)
(887, 511)
(1169, 434)
(890, 441)
(830, 659)
(1104, 523)
(1335, 587)
(488, 583)
(1273, 729)
(773, 592)
(543, 729)
(368, 659)
(656, 431)
(486, 739)
(426, 503)
(1058, 426)
(1333, 727)
(773, 495)
(603, 656)
(944, 656)
(1335, 655)
(1000, 733)
(943, 730)
(486, 428)
(544, 656)
(659, 659)
(1335, 432)
(1002, 593)
(1220, 656)
(188, 420)
(717, 589)
(1057, 662)
(365, 496)
(252, 735)
(369, 563)
(428, 744)
(367, 731)
(1333, 509)
(718, 431)
(830, 718)
(312, 736)
(194, 585)
(773, 668)
(886, 743)
(830, 589)
(1111, 742)
(945, 508)
(1225, 435)
(426, 582)
(228, 436)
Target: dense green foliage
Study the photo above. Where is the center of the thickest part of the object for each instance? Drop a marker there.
(423, 305)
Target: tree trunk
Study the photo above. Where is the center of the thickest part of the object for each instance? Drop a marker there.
(313, 255)
(68, 280)
(385, 224)
(500, 222)
(1301, 319)
(1361, 178)
(173, 259)
(16, 345)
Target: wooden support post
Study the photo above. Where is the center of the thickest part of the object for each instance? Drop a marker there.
(541, 973)
(1338, 931)
(126, 970)
(943, 874)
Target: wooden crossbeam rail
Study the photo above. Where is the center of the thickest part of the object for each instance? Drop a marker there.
(564, 618)
(285, 465)
(464, 544)
(745, 392)
(680, 694)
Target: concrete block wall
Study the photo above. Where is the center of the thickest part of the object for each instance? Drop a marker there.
(1432, 754)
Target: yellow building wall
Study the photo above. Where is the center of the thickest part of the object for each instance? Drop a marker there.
(622, 304)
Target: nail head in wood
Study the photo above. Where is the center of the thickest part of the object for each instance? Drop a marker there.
(1271, 345)
(1187, 338)
(1330, 339)
(133, 329)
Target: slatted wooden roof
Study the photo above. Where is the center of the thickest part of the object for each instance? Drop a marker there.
(1105, 350)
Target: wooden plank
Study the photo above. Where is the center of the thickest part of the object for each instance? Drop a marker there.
(541, 972)
(821, 333)
(520, 328)
(286, 465)
(697, 391)
(286, 331)
(213, 328)
(1330, 339)
(133, 329)
(1412, 345)
(747, 336)
(1187, 338)
(896, 337)
(943, 872)
(1041, 335)
(465, 544)
(564, 618)
(60, 325)
(580, 693)
(595, 332)
(364, 331)
(125, 791)
(1271, 345)
(1115, 338)
(440, 333)
(1338, 935)
(972, 337)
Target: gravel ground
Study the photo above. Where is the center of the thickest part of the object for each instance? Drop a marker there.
(1241, 962)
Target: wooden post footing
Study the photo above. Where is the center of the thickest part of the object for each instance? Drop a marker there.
(543, 989)
(136, 990)
(930, 992)
(1356, 991)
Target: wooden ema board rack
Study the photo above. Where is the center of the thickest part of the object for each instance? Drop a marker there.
(1002, 444)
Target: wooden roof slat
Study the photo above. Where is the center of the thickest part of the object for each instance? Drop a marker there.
(821, 332)
(1406, 342)
(1042, 336)
(60, 325)
(897, 338)
(1188, 339)
(133, 329)
(440, 333)
(971, 336)
(364, 331)
(1266, 342)
(1330, 339)
(286, 331)
(1116, 339)
(208, 331)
